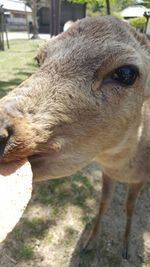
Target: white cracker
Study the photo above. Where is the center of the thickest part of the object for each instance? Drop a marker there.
(15, 193)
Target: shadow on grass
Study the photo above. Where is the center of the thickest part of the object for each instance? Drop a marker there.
(75, 190)
(109, 245)
(26, 74)
(22, 51)
(6, 86)
(19, 242)
(58, 194)
(21, 73)
(62, 192)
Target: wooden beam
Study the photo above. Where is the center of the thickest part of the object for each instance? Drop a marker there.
(55, 17)
(108, 7)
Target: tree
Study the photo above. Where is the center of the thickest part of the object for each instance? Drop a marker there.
(108, 6)
(95, 4)
(143, 2)
(113, 5)
(35, 5)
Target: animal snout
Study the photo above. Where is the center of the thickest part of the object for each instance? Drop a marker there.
(6, 131)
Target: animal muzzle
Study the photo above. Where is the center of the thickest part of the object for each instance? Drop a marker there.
(16, 137)
(6, 131)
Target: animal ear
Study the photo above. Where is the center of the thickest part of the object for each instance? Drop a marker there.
(41, 54)
(43, 50)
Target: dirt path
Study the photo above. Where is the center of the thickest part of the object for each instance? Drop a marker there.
(55, 224)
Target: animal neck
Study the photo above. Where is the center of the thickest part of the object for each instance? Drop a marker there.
(117, 157)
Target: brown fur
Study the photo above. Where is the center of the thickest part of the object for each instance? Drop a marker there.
(68, 115)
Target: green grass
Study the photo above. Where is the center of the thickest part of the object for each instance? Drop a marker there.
(37, 227)
(61, 192)
(17, 63)
(25, 252)
(70, 236)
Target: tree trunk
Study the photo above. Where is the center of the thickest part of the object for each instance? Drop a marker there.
(35, 21)
(108, 7)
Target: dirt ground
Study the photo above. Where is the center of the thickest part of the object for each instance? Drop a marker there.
(58, 218)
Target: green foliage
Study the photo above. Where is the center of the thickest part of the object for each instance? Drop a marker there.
(145, 3)
(117, 4)
(95, 9)
(138, 23)
(98, 7)
(88, 1)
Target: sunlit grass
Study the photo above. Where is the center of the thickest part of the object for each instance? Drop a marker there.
(17, 63)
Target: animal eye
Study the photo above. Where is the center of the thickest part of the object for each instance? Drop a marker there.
(125, 75)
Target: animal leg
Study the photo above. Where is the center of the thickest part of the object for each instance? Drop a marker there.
(133, 190)
(107, 190)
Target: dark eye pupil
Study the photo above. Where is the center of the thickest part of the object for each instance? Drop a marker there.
(125, 75)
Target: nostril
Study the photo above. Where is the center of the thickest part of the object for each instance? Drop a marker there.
(9, 130)
(5, 134)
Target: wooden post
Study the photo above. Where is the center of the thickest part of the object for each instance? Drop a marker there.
(27, 24)
(55, 17)
(1, 29)
(6, 34)
(108, 7)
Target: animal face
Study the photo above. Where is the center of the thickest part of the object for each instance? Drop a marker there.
(85, 98)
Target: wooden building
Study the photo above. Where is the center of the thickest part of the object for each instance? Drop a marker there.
(69, 11)
(16, 14)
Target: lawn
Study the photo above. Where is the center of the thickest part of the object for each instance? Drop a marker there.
(17, 63)
(56, 221)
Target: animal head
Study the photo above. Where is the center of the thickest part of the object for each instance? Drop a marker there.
(84, 99)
